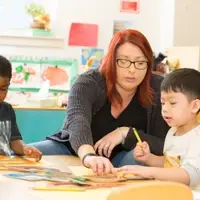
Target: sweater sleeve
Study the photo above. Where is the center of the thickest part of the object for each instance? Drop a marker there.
(158, 128)
(155, 141)
(77, 124)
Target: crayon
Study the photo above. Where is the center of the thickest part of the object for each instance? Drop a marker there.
(137, 135)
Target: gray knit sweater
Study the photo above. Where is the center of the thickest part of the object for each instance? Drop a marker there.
(86, 98)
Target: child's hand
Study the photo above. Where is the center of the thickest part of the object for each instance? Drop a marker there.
(141, 171)
(141, 152)
(32, 152)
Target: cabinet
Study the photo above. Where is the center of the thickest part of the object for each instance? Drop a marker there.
(36, 124)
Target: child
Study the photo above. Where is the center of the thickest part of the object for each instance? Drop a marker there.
(10, 137)
(180, 98)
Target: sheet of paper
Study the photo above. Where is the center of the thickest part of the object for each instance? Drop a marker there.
(120, 25)
(17, 161)
(83, 35)
(87, 53)
(196, 195)
(131, 6)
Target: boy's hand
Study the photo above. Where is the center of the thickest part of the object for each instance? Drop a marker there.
(141, 171)
(142, 152)
(32, 152)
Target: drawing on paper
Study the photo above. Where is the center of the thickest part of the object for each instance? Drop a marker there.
(26, 75)
(95, 54)
(57, 75)
(121, 25)
(17, 97)
(129, 6)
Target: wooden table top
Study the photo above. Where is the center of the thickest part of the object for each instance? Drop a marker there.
(18, 189)
(36, 108)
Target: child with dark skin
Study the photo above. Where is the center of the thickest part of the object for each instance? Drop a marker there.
(10, 137)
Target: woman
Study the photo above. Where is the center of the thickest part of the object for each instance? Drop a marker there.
(106, 103)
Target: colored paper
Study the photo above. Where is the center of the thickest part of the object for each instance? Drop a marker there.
(83, 35)
(120, 25)
(58, 75)
(30, 72)
(25, 74)
(87, 53)
(131, 6)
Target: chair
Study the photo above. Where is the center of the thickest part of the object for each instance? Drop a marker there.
(152, 190)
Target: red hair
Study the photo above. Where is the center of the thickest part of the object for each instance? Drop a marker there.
(108, 66)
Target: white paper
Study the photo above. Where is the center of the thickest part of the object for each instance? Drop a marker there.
(196, 195)
(44, 91)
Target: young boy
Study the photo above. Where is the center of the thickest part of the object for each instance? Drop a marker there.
(10, 137)
(180, 98)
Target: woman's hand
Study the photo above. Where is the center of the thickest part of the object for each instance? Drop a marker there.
(106, 144)
(100, 165)
(142, 152)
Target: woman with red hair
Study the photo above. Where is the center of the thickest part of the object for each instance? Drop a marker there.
(105, 104)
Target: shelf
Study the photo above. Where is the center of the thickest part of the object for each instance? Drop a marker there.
(27, 38)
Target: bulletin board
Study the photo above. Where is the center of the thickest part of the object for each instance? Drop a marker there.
(29, 73)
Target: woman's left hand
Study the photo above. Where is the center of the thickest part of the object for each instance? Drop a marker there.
(106, 144)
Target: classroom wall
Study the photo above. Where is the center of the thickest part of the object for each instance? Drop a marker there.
(167, 13)
(102, 13)
(186, 23)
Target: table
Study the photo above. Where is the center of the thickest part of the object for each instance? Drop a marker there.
(18, 189)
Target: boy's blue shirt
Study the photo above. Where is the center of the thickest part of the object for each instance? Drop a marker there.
(8, 128)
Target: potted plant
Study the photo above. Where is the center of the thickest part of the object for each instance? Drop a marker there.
(40, 18)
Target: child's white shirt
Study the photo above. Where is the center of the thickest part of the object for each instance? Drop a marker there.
(187, 147)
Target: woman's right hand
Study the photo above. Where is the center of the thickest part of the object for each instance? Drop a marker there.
(100, 165)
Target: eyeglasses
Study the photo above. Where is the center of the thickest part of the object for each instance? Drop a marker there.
(124, 63)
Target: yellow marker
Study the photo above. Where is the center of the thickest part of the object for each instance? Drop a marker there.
(137, 135)
(65, 189)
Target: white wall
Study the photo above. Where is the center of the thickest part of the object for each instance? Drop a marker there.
(103, 13)
(98, 12)
(167, 12)
(187, 23)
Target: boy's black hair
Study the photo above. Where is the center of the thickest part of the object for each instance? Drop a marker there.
(184, 80)
(5, 67)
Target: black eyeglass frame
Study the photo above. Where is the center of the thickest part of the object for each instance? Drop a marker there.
(132, 62)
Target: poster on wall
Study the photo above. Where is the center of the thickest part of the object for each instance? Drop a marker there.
(25, 74)
(20, 97)
(30, 72)
(120, 25)
(91, 57)
(129, 6)
(17, 97)
(60, 73)
(83, 35)
(58, 76)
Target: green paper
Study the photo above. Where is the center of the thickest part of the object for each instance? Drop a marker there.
(19, 69)
(26, 76)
